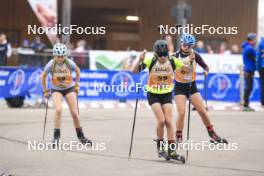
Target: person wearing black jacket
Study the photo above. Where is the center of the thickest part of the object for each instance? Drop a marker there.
(5, 50)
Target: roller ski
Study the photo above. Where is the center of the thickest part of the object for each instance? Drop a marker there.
(171, 154)
(215, 139)
(174, 156)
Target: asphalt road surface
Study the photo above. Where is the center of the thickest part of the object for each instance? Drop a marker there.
(110, 129)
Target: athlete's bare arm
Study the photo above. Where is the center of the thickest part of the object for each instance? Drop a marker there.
(78, 75)
(138, 61)
(43, 81)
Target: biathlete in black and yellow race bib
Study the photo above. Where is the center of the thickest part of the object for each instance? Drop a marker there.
(161, 75)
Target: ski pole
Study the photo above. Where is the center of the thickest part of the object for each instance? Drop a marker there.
(135, 115)
(45, 118)
(189, 110)
(205, 92)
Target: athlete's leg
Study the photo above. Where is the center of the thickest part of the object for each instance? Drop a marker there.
(167, 111)
(57, 101)
(157, 110)
(198, 103)
(72, 103)
(181, 108)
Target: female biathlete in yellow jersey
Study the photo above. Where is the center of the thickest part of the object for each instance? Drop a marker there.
(181, 89)
(62, 85)
(159, 93)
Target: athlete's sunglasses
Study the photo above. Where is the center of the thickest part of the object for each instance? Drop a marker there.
(187, 45)
(160, 54)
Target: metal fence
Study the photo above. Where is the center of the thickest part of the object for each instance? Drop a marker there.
(29, 58)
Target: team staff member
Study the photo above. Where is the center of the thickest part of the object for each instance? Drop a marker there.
(260, 68)
(181, 89)
(249, 61)
(62, 85)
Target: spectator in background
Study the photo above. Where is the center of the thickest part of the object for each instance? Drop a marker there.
(200, 47)
(249, 61)
(25, 53)
(169, 40)
(127, 65)
(209, 49)
(38, 46)
(5, 50)
(128, 62)
(235, 49)
(81, 54)
(25, 43)
(222, 49)
(260, 67)
(71, 46)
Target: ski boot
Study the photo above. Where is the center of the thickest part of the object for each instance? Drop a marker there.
(56, 139)
(160, 148)
(173, 155)
(82, 138)
(248, 109)
(214, 137)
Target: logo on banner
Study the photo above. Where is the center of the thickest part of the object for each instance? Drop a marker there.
(122, 80)
(220, 84)
(16, 80)
(34, 80)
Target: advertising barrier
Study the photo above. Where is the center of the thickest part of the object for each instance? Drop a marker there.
(110, 85)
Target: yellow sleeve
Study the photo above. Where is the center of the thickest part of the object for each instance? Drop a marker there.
(179, 64)
(147, 62)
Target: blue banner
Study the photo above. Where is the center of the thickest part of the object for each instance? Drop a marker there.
(19, 82)
(109, 85)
